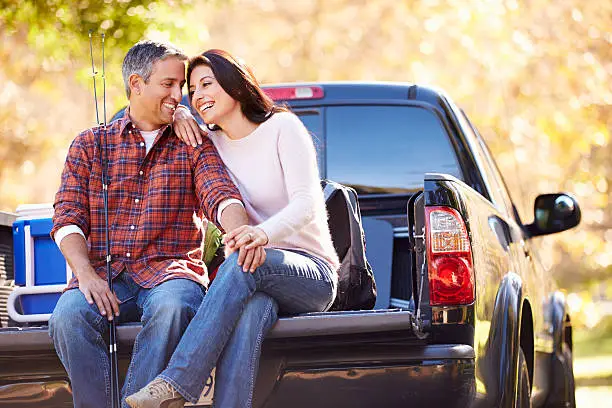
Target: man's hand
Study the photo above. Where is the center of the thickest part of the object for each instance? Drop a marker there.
(186, 128)
(251, 259)
(96, 290)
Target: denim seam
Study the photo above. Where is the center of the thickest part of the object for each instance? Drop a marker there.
(98, 322)
(103, 362)
(330, 287)
(332, 295)
(299, 276)
(105, 368)
(130, 372)
(124, 301)
(180, 389)
(254, 355)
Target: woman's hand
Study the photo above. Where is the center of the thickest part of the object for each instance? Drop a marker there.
(249, 241)
(186, 128)
(246, 236)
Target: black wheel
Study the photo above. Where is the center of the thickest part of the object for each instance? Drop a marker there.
(563, 394)
(567, 360)
(569, 377)
(523, 388)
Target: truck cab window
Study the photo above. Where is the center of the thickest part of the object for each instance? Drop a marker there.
(314, 123)
(386, 148)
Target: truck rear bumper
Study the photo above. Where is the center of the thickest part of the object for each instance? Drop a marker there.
(434, 375)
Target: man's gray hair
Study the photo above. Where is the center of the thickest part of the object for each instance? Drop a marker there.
(141, 57)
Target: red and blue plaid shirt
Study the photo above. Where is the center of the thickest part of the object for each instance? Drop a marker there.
(151, 200)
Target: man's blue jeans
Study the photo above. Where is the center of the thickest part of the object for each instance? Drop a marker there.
(78, 331)
(237, 312)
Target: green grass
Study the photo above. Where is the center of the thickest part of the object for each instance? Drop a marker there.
(594, 342)
(593, 355)
(593, 365)
(593, 371)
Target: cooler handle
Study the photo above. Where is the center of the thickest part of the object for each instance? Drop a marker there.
(30, 290)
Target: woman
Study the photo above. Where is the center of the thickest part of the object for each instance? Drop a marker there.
(271, 157)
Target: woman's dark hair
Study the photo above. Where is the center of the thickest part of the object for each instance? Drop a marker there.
(239, 82)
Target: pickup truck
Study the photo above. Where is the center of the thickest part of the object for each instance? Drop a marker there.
(466, 316)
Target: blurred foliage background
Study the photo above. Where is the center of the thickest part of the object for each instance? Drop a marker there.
(533, 75)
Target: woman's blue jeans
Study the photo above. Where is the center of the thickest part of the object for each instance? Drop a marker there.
(78, 331)
(237, 312)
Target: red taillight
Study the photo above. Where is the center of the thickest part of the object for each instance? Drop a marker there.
(449, 256)
(295, 92)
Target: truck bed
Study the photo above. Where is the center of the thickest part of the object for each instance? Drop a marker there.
(338, 354)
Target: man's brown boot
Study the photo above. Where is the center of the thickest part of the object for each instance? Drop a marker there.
(156, 394)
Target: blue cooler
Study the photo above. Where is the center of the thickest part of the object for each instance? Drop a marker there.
(41, 272)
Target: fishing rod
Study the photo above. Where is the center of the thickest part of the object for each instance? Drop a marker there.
(114, 370)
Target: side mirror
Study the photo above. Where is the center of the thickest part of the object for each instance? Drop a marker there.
(554, 213)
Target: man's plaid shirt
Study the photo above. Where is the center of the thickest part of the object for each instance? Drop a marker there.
(151, 200)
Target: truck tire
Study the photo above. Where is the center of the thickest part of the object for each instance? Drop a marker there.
(523, 388)
(569, 376)
(564, 392)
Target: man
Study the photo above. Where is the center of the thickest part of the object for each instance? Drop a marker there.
(156, 183)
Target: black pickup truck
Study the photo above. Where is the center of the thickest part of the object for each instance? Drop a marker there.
(466, 316)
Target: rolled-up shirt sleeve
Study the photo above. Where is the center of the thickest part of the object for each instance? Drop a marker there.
(64, 232)
(71, 206)
(213, 184)
(226, 203)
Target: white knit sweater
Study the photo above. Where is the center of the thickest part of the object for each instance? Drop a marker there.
(275, 169)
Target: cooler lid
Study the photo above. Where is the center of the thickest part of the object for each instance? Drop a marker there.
(32, 211)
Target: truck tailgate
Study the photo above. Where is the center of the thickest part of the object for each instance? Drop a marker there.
(306, 325)
(300, 355)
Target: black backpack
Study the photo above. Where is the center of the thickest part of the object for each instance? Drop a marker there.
(356, 285)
